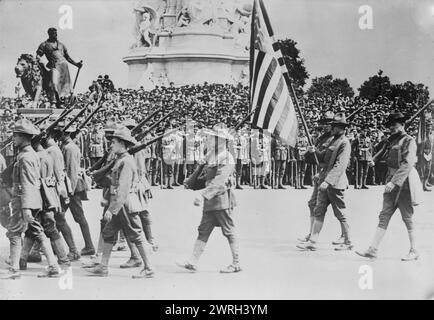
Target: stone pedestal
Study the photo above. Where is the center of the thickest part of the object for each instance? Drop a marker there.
(188, 56)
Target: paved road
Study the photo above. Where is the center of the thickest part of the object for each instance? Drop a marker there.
(269, 223)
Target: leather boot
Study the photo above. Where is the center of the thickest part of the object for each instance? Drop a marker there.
(35, 253)
(88, 249)
(101, 270)
(60, 251)
(28, 244)
(53, 268)
(15, 250)
(147, 271)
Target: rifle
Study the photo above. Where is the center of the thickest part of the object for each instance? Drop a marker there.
(137, 128)
(8, 141)
(6, 175)
(245, 119)
(380, 153)
(355, 113)
(143, 134)
(85, 122)
(78, 115)
(100, 175)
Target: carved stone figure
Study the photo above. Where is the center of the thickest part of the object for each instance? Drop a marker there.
(146, 26)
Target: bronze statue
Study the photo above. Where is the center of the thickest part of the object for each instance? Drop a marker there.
(58, 58)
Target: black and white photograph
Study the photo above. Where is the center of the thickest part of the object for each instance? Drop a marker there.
(216, 150)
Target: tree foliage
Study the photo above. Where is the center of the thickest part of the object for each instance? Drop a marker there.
(327, 86)
(294, 63)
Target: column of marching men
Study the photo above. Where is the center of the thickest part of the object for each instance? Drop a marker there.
(48, 180)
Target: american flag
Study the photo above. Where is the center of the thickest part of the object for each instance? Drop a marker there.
(269, 93)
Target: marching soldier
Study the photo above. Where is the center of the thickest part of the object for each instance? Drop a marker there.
(321, 145)
(27, 201)
(72, 156)
(50, 206)
(403, 183)
(124, 206)
(214, 179)
(190, 147)
(62, 225)
(144, 188)
(425, 158)
(9, 149)
(5, 197)
(300, 151)
(332, 183)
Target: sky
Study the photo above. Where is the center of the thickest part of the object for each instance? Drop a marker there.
(401, 42)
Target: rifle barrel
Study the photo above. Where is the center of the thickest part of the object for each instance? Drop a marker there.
(137, 128)
(409, 121)
(136, 149)
(143, 134)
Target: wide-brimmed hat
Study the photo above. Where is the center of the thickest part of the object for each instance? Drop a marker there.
(129, 123)
(124, 134)
(396, 116)
(25, 126)
(340, 120)
(328, 116)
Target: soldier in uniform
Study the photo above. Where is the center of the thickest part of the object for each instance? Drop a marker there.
(332, 183)
(300, 151)
(190, 147)
(62, 225)
(280, 157)
(72, 156)
(5, 197)
(96, 144)
(124, 206)
(168, 152)
(215, 182)
(402, 185)
(321, 145)
(179, 157)
(241, 155)
(9, 149)
(425, 158)
(26, 202)
(362, 150)
(50, 205)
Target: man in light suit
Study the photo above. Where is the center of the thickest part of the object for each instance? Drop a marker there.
(332, 184)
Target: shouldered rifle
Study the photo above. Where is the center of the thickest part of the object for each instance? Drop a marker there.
(245, 119)
(8, 141)
(381, 153)
(352, 115)
(144, 133)
(89, 117)
(78, 115)
(6, 175)
(136, 129)
(100, 175)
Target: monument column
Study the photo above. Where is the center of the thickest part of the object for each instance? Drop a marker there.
(169, 17)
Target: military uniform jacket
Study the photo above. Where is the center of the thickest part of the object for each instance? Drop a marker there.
(336, 157)
(301, 148)
(96, 144)
(50, 197)
(123, 189)
(280, 152)
(400, 158)
(321, 144)
(218, 193)
(26, 181)
(72, 156)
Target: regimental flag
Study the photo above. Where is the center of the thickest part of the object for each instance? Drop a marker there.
(269, 93)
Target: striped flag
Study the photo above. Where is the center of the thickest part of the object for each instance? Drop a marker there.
(269, 93)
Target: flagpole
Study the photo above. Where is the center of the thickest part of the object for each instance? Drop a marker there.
(278, 51)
